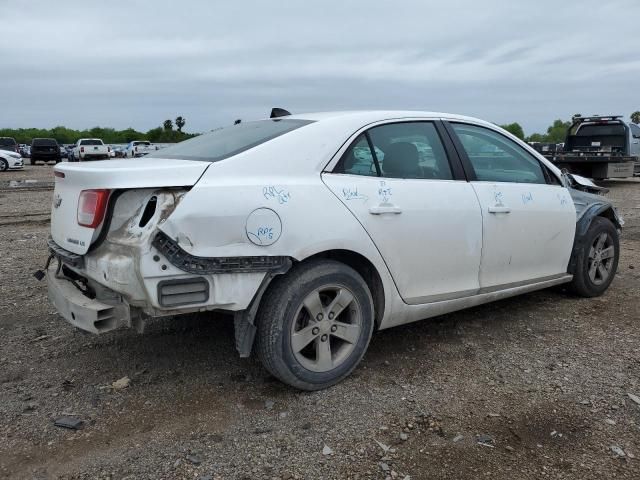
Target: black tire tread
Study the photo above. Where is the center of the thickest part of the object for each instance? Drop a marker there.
(270, 324)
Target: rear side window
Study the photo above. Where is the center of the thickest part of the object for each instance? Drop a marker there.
(496, 158)
(358, 159)
(91, 142)
(229, 141)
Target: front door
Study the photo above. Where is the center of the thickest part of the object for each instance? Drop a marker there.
(528, 216)
(397, 181)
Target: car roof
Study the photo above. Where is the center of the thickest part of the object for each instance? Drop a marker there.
(368, 116)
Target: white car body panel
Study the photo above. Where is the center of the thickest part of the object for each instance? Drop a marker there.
(111, 174)
(431, 256)
(436, 258)
(528, 231)
(217, 228)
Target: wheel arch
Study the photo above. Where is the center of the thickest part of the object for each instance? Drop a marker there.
(244, 321)
(367, 271)
(584, 222)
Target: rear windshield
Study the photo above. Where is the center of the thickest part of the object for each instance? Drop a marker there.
(91, 142)
(600, 130)
(7, 142)
(228, 141)
(44, 142)
(142, 143)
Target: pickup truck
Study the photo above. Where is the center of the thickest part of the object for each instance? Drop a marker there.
(87, 149)
(139, 148)
(599, 147)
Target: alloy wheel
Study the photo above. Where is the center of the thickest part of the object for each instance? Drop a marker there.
(601, 257)
(326, 328)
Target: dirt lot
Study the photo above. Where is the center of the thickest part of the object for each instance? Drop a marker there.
(543, 379)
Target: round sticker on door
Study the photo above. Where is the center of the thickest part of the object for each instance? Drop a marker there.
(263, 227)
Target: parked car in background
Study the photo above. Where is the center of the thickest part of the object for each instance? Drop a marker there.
(24, 150)
(118, 151)
(327, 227)
(63, 151)
(10, 160)
(44, 149)
(87, 149)
(8, 143)
(139, 148)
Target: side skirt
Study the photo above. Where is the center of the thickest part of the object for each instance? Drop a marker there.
(411, 313)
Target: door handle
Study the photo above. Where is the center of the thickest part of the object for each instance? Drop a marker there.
(382, 209)
(499, 209)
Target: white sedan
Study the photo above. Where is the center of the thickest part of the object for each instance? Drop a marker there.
(315, 230)
(10, 161)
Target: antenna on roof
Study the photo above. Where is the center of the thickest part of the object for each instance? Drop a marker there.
(279, 112)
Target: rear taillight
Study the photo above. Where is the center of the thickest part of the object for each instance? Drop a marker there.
(92, 206)
(136, 149)
(109, 149)
(82, 149)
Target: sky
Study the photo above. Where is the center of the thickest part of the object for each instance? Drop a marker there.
(136, 63)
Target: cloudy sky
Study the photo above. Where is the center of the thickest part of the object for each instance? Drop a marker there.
(135, 63)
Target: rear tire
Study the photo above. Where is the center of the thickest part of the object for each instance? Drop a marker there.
(314, 324)
(597, 260)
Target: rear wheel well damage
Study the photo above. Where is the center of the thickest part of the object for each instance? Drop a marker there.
(244, 321)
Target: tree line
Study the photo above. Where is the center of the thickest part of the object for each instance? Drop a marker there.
(556, 132)
(64, 135)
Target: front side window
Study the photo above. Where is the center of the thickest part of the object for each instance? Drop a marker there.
(496, 158)
(410, 150)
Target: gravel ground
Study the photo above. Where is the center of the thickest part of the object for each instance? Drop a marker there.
(539, 386)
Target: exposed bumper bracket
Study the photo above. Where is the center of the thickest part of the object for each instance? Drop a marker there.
(210, 265)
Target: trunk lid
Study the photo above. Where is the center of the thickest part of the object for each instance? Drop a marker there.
(73, 178)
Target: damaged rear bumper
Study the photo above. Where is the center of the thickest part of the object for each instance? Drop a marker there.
(91, 315)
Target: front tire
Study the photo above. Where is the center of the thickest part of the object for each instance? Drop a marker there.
(597, 260)
(314, 324)
(4, 166)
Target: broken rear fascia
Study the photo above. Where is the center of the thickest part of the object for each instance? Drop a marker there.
(127, 262)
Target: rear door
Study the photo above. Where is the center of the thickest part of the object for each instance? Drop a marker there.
(423, 217)
(528, 217)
